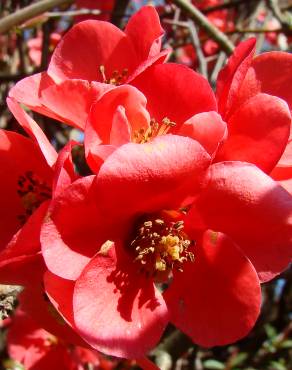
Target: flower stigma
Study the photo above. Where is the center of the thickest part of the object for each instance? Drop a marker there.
(32, 192)
(117, 78)
(155, 129)
(160, 246)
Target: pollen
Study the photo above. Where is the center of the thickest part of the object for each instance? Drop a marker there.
(161, 246)
(32, 192)
(155, 129)
(116, 78)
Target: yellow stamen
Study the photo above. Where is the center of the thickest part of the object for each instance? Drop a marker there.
(161, 246)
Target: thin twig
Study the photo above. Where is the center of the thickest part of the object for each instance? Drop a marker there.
(199, 52)
(73, 13)
(219, 64)
(281, 17)
(231, 32)
(29, 12)
(203, 22)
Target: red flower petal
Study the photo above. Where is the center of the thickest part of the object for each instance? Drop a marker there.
(64, 173)
(207, 128)
(37, 305)
(283, 175)
(269, 73)
(60, 292)
(148, 177)
(232, 75)
(20, 262)
(34, 131)
(27, 92)
(112, 120)
(18, 156)
(188, 92)
(116, 52)
(117, 310)
(258, 132)
(243, 202)
(58, 98)
(41, 94)
(23, 270)
(216, 299)
(69, 236)
(25, 335)
(148, 42)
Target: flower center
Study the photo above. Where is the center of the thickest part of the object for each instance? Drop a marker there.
(117, 78)
(161, 245)
(156, 129)
(32, 192)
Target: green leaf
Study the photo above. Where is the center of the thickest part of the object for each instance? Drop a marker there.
(286, 344)
(270, 331)
(12, 365)
(274, 365)
(213, 365)
(239, 359)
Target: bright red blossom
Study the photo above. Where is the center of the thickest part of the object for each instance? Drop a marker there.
(258, 90)
(180, 221)
(82, 75)
(96, 230)
(36, 349)
(162, 208)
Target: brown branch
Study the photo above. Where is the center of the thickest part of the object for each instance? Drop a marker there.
(29, 12)
(203, 22)
(226, 5)
(118, 12)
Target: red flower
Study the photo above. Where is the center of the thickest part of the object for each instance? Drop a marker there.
(31, 174)
(36, 349)
(128, 113)
(116, 234)
(254, 98)
(81, 75)
(258, 128)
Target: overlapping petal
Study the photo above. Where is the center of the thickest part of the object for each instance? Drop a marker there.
(144, 178)
(112, 121)
(207, 128)
(20, 261)
(258, 132)
(232, 75)
(269, 73)
(41, 94)
(252, 209)
(120, 50)
(68, 239)
(216, 299)
(34, 131)
(85, 216)
(176, 92)
(36, 304)
(20, 157)
(147, 44)
(130, 310)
